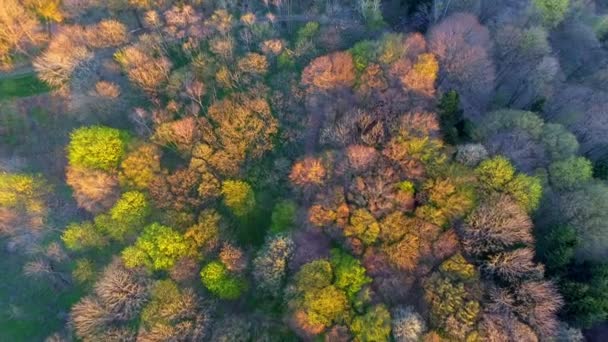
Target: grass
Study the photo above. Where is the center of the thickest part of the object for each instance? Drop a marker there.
(22, 86)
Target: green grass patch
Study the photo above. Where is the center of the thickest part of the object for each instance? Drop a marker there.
(22, 86)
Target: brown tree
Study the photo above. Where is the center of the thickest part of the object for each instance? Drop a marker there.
(330, 72)
(495, 225)
(461, 45)
(94, 190)
(178, 190)
(20, 31)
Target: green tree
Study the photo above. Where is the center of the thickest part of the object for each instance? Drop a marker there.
(97, 147)
(451, 117)
(570, 173)
(283, 216)
(81, 236)
(557, 246)
(127, 215)
(552, 11)
(350, 276)
(526, 190)
(22, 202)
(495, 173)
(157, 248)
(218, 280)
(363, 52)
(238, 196)
(586, 294)
(373, 326)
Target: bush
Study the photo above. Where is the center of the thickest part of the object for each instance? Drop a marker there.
(97, 147)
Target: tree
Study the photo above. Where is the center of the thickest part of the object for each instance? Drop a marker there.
(64, 55)
(452, 309)
(48, 10)
(127, 215)
(570, 173)
(585, 209)
(270, 265)
(422, 76)
(374, 325)
(157, 248)
(498, 174)
(552, 12)
(407, 325)
(556, 247)
(89, 318)
(21, 30)
(349, 274)
(81, 236)
(514, 266)
(220, 282)
(451, 117)
(362, 226)
(121, 291)
(308, 172)
(461, 45)
(238, 127)
(97, 147)
(330, 72)
(238, 196)
(173, 314)
(94, 190)
(23, 205)
(142, 68)
(140, 166)
(495, 225)
(178, 190)
(283, 216)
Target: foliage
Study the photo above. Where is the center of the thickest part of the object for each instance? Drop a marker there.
(157, 248)
(218, 280)
(96, 147)
(238, 196)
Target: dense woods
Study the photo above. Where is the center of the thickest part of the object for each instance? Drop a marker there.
(344, 170)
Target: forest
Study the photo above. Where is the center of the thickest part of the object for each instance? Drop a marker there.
(310, 170)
